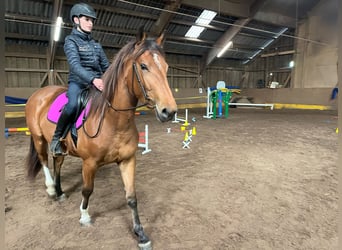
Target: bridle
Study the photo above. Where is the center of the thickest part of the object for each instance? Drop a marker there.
(146, 97)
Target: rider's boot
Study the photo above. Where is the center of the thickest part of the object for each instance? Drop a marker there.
(62, 126)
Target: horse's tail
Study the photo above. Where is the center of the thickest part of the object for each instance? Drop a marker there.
(33, 163)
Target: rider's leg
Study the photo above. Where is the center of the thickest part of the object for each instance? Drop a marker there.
(65, 120)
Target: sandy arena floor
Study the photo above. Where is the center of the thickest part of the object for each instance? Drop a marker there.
(260, 179)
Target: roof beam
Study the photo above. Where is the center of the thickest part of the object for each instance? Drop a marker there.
(275, 19)
(283, 16)
(255, 7)
(165, 17)
(26, 37)
(227, 36)
(25, 18)
(246, 48)
(231, 33)
(260, 35)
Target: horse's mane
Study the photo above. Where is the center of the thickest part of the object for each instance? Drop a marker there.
(131, 50)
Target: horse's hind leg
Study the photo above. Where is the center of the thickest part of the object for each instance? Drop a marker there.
(127, 169)
(49, 183)
(57, 165)
(41, 145)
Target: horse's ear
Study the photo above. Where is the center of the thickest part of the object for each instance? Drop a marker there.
(141, 36)
(160, 40)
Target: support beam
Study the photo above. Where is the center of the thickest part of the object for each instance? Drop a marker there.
(279, 53)
(51, 51)
(165, 17)
(255, 7)
(288, 15)
(227, 36)
(26, 37)
(231, 33)
(275, 19)
(25, 18)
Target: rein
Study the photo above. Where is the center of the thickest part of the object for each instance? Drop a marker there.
(147, 98)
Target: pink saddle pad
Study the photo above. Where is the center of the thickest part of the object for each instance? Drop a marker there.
(56, 109)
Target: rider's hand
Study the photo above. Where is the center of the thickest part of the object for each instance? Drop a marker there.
(98, 83)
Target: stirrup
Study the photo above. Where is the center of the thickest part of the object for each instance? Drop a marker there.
(56, 148)
(56, 154)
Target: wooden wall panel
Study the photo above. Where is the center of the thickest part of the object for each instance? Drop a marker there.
(30, 64)
(11, 77)
(35, 77)
(23, 77)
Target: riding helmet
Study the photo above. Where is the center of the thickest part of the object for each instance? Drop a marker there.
(82, 9)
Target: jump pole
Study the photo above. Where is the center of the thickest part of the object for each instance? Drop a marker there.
(178, 119)
(16, 130)
(209, 109)
(143, 141)
(8, 131)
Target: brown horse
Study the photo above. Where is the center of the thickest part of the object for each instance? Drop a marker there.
(138, 74)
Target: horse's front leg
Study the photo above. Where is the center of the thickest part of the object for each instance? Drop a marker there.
(127, 169)
(88, 173)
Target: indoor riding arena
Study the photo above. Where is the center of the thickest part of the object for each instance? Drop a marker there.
(247, 161)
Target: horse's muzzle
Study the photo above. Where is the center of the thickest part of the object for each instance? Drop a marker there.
(165, 114)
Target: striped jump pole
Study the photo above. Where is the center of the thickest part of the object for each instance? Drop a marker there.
(143, 141)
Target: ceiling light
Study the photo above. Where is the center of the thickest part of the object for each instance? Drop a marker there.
(227, 46)
(58, 28)
(204, 19)
(194, 31)
(291, 64)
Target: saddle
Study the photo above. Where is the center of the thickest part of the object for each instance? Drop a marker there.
(56, 109)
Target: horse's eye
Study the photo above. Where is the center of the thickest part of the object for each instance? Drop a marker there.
(143, 66)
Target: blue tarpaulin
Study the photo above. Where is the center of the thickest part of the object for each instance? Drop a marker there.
(334, 93)
(15, 100)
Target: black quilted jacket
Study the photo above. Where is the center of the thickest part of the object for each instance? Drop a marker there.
(86, 57)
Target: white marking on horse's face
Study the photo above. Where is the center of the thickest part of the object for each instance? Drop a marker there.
(156, 60)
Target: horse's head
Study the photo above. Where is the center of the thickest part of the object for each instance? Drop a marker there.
(138, 73)
(149, 75)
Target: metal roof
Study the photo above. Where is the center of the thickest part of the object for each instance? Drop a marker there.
(32, 21)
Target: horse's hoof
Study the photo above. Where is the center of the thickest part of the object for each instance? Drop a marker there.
(7, 209)
(145, 246)
(51, 192)
(61, 198)
(86, 222)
